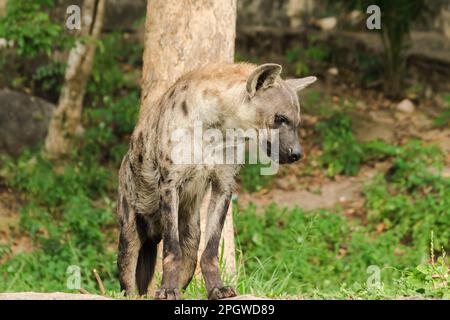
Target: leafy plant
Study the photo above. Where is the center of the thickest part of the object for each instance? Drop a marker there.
(412, 198)
(30, 28)
(341, 152)
(300, 58)
(33, 38)
(48, 77)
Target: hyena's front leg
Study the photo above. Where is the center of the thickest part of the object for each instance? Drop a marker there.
(217, 211)
(189, 230)
(171, 246)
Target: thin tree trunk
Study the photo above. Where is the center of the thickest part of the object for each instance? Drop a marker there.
(180, 36)
(66, 119)
(3, 4)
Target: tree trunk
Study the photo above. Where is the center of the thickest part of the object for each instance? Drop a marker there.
(3, 4)
(66, 119)
(180, 36)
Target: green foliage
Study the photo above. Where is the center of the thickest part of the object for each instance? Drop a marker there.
(108, 125)
(412, 198)
(68, 211)
(113, 104)
(251, 178)
(67, 216)
(342, 154)
(29, 26)
(443, 119)
(107, 75)
(301, 58)
(34, 38)
(290, 244)
(50, 76)
(430, 280)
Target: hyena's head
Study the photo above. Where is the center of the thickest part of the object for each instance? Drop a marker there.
(277, 107)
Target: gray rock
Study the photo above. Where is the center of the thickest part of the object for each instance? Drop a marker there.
(24, 121)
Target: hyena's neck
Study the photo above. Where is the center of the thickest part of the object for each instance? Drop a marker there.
(223, 105)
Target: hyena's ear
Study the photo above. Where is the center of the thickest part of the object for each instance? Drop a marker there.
(300, 84)
(262, 77)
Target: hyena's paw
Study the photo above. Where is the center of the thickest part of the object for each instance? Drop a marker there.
(167, 294)
(222, 293)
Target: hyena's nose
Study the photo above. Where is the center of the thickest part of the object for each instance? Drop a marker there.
(295, 154)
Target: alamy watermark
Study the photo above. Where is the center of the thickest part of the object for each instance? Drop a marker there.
(73, 21)
(374, 280)
(73, 277)
(214, 147)
(373, 22)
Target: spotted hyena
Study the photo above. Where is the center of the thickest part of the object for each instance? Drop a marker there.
(159, 199)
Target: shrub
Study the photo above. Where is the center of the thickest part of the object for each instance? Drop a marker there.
(342, 154)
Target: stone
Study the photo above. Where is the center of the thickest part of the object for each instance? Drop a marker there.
(406, 106)
(333, 71)
(326, 24)
(24, 121)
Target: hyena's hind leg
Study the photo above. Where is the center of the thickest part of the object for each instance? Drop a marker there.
(130, 242)
(189, 234)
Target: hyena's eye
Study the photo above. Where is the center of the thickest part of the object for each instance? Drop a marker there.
(281, 120)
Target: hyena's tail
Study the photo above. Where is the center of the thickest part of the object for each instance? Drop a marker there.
(146, 265)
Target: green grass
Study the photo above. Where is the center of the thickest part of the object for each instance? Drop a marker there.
(250, 178)
(319, 254)
(324, 254)
(342, 154)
